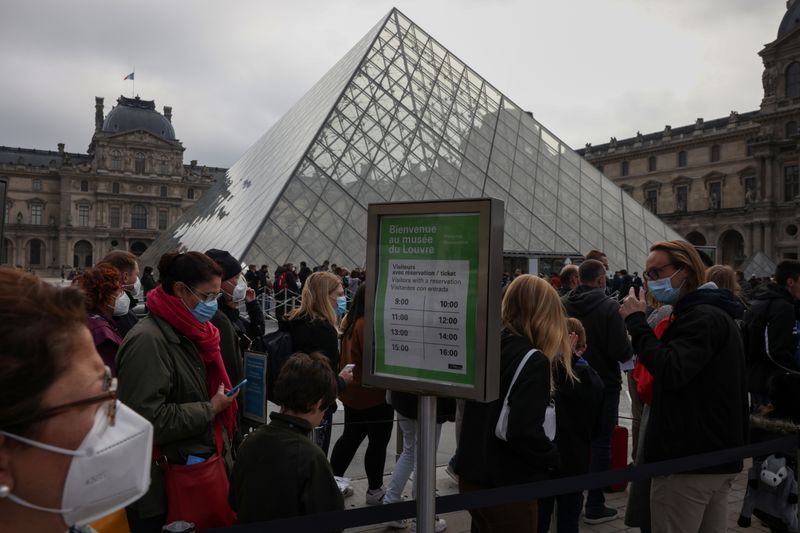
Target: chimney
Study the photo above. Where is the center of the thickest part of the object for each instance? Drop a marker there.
(98, 113)
(168, 113)
(61, 148)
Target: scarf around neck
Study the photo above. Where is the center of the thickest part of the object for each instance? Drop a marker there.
(205, 337)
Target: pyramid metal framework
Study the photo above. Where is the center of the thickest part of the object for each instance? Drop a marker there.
(401, 118)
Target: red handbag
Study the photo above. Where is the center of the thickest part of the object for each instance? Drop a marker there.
(198, 493)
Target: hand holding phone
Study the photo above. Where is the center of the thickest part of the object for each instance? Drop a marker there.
(234, 389)
(350, 366)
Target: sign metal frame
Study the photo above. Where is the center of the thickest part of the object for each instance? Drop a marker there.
(484, 386)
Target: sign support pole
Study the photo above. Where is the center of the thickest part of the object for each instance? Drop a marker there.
(425, 477)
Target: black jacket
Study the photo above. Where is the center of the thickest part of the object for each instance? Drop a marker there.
(310, 336)
(606, 339)
(281, 473)
(528, 455)
(772, 306)
(699, 390)
(126, 322)
(252, 327)
(406, 404)
(578, 406)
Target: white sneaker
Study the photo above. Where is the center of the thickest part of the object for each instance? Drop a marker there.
(398, 524)
(439, 525)
(345, 486)
(375, 496)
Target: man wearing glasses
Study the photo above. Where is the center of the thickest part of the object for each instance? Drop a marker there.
(699, 400)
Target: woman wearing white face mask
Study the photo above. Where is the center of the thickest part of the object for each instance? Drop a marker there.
(105, 300)
(171, 372)
(69, 451)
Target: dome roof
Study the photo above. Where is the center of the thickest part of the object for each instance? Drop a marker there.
(136, 114)
(791, 20)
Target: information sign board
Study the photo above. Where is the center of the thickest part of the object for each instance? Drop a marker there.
(433, 304)
(254, 397)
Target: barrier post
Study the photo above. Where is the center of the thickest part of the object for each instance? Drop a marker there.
(425, 476)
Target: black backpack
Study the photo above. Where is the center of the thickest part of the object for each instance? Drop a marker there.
(278, 347)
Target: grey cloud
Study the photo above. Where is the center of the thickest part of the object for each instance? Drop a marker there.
(229, 70)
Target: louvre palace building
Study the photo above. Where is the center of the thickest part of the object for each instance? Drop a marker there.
(733, 182)
(67, 209)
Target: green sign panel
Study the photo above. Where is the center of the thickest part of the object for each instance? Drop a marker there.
(426, 296)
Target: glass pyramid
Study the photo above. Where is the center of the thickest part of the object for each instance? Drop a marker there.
(401, 118)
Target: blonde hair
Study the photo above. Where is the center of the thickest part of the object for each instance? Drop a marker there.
(532, 309)
(315, 298)
(684, 255)
(575, 326)
(723, 277)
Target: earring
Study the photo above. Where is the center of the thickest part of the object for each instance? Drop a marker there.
(4, 491)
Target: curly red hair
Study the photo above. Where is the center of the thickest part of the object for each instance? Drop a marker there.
(101, 286)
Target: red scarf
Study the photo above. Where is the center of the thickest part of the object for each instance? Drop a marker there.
(205, 337)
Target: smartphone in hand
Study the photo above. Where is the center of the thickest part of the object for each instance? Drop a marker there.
(234, 389)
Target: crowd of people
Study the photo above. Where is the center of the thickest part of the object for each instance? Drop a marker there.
(152, 402)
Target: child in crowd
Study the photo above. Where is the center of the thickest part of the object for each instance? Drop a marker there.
(577, 419)
(280, 472)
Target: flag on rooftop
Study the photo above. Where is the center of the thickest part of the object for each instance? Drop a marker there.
(128, 77)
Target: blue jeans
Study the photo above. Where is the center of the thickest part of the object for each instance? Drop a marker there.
(601, 446)
(567, 512)
(407, 462)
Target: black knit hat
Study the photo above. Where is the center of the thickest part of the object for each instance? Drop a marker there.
(230, 266)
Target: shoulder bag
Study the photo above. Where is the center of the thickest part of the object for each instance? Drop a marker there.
(549, 425)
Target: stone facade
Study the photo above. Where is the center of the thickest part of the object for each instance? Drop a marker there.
(733, 182)
(68, 210)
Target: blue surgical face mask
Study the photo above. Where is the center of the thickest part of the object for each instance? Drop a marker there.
(663, 291)
(205, 311)
(341, 305)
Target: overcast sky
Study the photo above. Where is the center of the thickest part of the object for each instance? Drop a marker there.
(588, 69)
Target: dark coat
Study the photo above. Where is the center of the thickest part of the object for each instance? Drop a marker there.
(281, 473)
(772, 306)
(251, 327)
(578, 406)
(699, 391)
(406, 404)
(126, 322)
(310, 336)
(606, 339)
(528, 455)
(229, 347)
(148, 283)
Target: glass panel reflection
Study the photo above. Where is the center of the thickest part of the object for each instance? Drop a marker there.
(401, 118)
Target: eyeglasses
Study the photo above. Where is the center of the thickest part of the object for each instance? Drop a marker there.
(205, 297)
(109, 395)
(655, 272)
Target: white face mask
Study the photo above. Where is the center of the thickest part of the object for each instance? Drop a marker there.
(122, 304)
(240, 290)
(109, 470)
(135, 288)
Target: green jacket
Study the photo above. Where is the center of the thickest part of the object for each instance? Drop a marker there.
(162, 377)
